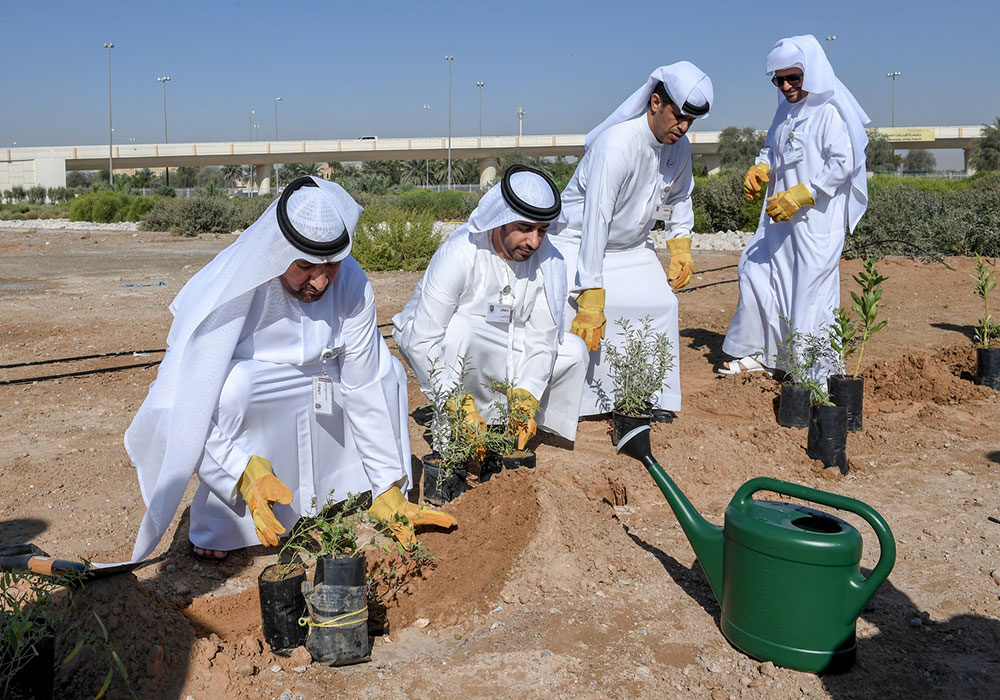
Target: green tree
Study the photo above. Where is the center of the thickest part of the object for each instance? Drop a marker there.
(232, 174)
(987, 156)
(413, 172)
(919, 161)
(16, 194)
(739, 147)
(879, 153)
(185, 176)
(78, 178)
(143, 178)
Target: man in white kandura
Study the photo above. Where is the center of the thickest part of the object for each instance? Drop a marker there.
(276, 389)
(814, 162)
(636, 171)
(494, 294)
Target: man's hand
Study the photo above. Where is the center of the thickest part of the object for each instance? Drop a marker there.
(523, 406)
(783, 205)
(681, 264)
(590, 320)
(401, 516)
(261, 489)
(751, 181)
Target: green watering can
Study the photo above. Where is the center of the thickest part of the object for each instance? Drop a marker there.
(787, 576)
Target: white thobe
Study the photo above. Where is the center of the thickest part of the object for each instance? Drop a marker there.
(789, 272)
(445, 320)
(266, 409)
(609, 208)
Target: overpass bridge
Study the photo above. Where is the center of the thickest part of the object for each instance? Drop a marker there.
(47, 165)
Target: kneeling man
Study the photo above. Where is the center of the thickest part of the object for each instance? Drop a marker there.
(494, 295)
(277, 389)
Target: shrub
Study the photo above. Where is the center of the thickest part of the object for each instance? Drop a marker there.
(394, 239)
(36, 195)
(206, 215)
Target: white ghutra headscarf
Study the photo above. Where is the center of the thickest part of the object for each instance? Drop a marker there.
(819, 80)
(685, 83)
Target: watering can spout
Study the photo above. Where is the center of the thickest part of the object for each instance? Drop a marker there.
(706, 539)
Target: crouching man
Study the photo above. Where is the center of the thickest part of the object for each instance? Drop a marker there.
(494, 295)
(276, 389)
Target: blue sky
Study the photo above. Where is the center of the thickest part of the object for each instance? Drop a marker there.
(367, 68)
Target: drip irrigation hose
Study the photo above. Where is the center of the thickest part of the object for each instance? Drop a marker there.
(29, 380)
(926, 254)
(82, 357)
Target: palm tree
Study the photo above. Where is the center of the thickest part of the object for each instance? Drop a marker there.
(233, 174)
(413, 172)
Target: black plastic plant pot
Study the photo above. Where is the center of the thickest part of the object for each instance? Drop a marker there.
(988, 367)
(849, 392)
(281, 606)
(495, 463)
(337, 604)
(793, 409)
(622, 423)
(31, 674)
(827, 439)
(442, 485)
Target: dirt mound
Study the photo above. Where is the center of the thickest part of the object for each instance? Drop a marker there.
(151, 639)
(495, 522)
(941, 377)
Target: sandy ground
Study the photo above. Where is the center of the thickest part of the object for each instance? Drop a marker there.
(571, 580)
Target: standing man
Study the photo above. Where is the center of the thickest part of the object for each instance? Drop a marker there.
(494, 295)
(814, 161)
(276, 389)
(636, 171)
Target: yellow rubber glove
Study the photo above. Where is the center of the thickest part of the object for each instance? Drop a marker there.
(590, 320)
(783, 205)
(751, 181)
(261, 489)
(681, 264)
(523, 407)
(401, 516)
(476, 424)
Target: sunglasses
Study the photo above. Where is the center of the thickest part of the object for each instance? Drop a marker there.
(793, 79)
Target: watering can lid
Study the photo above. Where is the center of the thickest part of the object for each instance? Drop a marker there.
(793, 532)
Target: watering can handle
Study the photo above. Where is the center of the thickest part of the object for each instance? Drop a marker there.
(887, 545)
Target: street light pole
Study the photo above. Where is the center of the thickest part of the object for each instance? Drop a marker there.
(163, 80)
(449, 59)
(252, 112)
(829, 38)
(893, 75)
(427, 134)
(480, 84)
(276, 101)
(520, 122)
(111, 131)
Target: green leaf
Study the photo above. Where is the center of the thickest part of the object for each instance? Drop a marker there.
(119, 664)
(107, 684)
(76, 650)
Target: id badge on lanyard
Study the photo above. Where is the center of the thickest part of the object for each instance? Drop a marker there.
(322, 389)
(792, 152)
(663, 211)
(503, 310)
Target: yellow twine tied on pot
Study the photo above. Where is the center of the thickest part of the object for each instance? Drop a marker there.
(346, 620)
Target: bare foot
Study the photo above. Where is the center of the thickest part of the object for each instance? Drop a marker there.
(209, 553)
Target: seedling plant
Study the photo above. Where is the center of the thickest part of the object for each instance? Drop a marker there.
(638, 366)
(865, 307)
(800, 355)
(986, 331)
